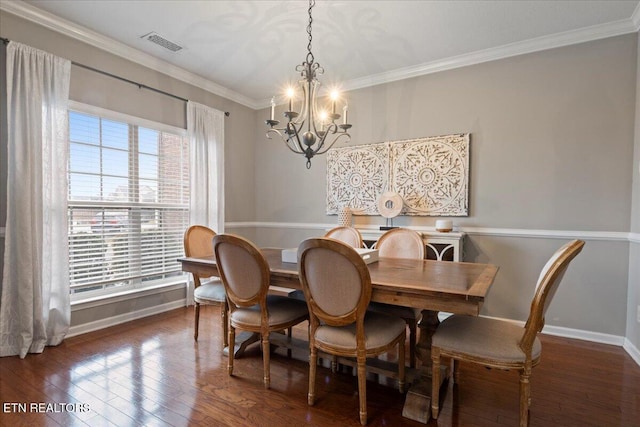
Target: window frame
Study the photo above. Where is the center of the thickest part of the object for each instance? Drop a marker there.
(93, 298)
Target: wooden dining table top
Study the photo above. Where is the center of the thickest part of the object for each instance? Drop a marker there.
(456, 287)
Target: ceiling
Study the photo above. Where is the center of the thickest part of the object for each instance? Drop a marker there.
(248, 50)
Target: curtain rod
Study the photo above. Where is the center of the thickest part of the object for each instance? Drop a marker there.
(140, 85)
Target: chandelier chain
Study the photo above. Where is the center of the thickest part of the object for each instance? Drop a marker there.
(310, 57)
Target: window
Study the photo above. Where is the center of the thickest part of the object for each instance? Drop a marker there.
(128, 202)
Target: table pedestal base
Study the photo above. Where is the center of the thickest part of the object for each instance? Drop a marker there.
(417, 403)
(243, 340)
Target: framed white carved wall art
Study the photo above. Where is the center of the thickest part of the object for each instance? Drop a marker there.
(430, 174)
(356, 176)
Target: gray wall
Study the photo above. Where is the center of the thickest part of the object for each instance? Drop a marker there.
(633, 307)
(552, 138)
(106, 92)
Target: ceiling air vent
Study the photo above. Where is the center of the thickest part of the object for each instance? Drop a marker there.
(156, 38)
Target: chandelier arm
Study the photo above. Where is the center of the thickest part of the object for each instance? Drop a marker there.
(284, 140)
(340, 135)
(296, 142)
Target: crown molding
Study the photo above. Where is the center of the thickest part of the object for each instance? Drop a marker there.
(85, 35)
(596, 32)
(537, 44)
(635, 17)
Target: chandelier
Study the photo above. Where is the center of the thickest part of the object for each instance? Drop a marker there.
(322, 126)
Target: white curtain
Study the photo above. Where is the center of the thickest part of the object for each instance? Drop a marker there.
(205, 127)
(34, 305)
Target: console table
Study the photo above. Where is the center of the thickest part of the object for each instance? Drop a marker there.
(438, 246)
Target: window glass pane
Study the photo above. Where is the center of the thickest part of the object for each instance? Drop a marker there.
(148, 166)
(148, 140)
(84, 187)
(84, 158)
(115, 189)
(115, 162)
(115, 134)
(84, 128)
(148, 191)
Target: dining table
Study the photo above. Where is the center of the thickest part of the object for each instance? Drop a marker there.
(430, 285)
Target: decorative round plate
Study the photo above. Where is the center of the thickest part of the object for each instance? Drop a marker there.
(390, 204)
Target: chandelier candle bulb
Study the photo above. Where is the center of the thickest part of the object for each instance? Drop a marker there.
(273, 108)
(344, 114)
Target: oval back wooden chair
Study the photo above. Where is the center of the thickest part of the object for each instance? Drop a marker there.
(498, 343)
(337, 288)
(349, 235)
(246, 277)
(198, 242)
(401, 243)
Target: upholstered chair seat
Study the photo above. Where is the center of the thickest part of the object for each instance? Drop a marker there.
(281, 310)
(486, 338)
(211, 291)
(379, 330)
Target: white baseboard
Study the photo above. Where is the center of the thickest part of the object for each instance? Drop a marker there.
(632, 351)
(579, 334)
(122, 318)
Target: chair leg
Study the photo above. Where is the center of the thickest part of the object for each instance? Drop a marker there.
(232, 344)
(313, 363)
(401, 363)
(196, 322)
(525, 396)
(225, 324)
(435, 382)
(290, 330)
(266, 360)
(362, 388)
(455, 372)
(413, 330)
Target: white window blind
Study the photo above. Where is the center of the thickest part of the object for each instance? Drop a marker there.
(128, 203)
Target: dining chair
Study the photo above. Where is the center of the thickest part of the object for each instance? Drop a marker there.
(401, 243)
(349, 235)
(498, 343)
(337, 288)
(246, 276)
(198, 242)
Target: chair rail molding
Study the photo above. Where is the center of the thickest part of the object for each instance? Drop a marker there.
(616, 236)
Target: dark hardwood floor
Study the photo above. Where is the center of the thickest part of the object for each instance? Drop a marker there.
(150, 372)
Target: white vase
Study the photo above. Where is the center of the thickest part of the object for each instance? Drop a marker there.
(344, 217)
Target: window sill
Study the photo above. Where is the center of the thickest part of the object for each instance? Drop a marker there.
(101, 300)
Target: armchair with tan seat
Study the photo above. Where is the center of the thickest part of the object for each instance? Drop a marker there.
(501, 344)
